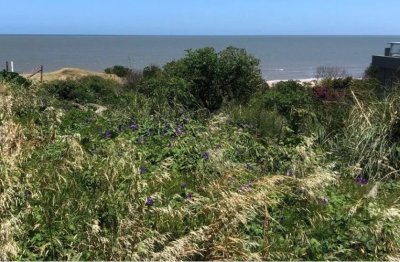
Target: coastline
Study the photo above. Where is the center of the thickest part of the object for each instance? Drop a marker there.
(312, 81)
(73, 73)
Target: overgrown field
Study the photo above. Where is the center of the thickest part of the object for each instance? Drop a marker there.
(199, 160)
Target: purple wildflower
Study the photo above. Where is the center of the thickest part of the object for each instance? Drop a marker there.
(189, 196)
(324, 201)
(290, 173)
(149, 201)
(206, 156)
(108, 134)
(142, 170)
(134, 126)
(179, 130)
(361, 180)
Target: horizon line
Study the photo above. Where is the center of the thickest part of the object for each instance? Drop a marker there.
(192, 35)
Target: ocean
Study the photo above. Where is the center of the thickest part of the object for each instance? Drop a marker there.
(282, 57)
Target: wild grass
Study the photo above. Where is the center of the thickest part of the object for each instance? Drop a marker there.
(142, 180)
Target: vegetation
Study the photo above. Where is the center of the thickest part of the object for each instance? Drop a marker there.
(118, 70)
(199, 160)
(15, 78)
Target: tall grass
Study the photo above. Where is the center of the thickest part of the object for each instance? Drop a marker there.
(143, 180)
(369, 140)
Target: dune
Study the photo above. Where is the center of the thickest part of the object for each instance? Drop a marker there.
(71, 73)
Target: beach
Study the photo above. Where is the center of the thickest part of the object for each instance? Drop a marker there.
(302, 81)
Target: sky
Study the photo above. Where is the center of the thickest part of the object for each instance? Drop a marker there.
(200, 17)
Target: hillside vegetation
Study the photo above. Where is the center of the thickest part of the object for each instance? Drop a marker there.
(199, 160)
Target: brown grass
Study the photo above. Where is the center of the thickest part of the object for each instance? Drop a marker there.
(71, 73)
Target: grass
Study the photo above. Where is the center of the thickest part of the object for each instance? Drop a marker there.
(137, 180)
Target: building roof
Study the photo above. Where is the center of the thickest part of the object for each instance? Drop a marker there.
(397, 43)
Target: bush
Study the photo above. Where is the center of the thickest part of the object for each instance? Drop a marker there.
(258, 119)
(152, 71)
(286, 107)
(117, 70)
(240, 74)
(371, 72)
(133, 79)
(90, 89)
(171, 92)
(14, 78)
(215, 78)
(285, 96)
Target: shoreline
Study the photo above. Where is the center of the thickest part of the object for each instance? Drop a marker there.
(74, 72)
(302, 81)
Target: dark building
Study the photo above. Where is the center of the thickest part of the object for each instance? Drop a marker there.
(388, 66)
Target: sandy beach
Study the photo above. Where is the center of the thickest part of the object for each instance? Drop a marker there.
(305, 80)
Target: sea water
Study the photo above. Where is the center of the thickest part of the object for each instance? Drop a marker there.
(281, 57)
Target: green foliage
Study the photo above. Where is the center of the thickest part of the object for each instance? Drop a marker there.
(350, 226)
(285, 96)
(215, 78)
(239, 74)
(286, 176)
(371, 72)
(173, 92)
(133, 79)
(118, 70)
(14, 79)
(260, 120)
(336, 83)
(290, 99)
(367, 140)
(90, 89)
(152, 71)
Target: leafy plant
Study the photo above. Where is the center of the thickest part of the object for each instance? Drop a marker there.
(14, 78)
(215, 78)
(118, 70)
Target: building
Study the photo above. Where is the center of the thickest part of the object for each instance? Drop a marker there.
(388, 66)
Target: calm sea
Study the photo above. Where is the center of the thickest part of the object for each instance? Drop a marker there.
(282, 57)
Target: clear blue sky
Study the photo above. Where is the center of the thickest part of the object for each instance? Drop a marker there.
(204, 17)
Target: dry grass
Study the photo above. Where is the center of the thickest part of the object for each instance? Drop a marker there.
(11, 139)
(72, 73)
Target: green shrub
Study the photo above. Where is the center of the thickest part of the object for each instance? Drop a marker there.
(258, 119)
(336, 83)
(285, 96)
(90, 89)
(371, 72)
(171, 92)
(14, 78)
(215, 78)
(117, 70)
(239, 74)
(152, 71)
(133, 79)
